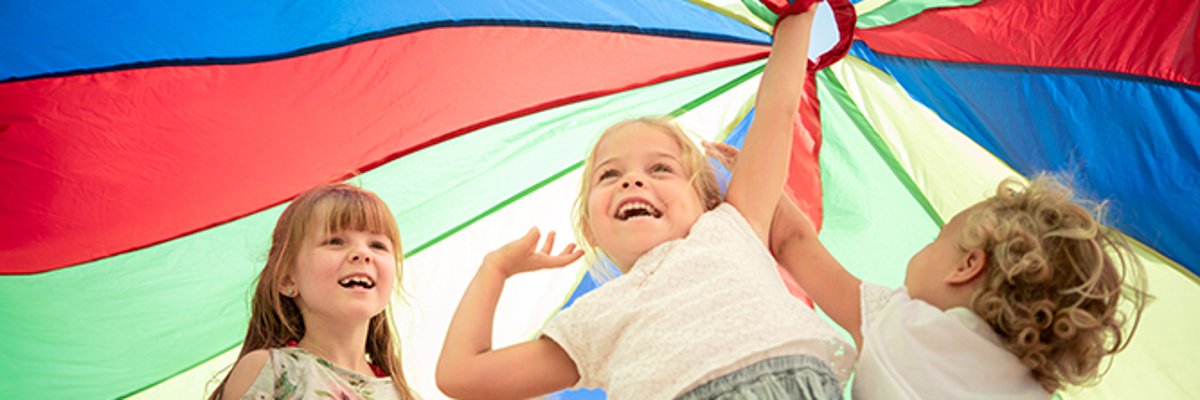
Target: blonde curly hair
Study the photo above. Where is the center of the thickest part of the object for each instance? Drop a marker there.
(1059, 287)
(703, 180)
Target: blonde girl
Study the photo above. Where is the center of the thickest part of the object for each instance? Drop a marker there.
(699, 311)
(320, 324)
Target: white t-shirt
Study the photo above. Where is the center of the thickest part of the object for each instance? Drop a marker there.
(691, 310)
(913, 350)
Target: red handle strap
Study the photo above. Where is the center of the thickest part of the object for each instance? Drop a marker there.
(843, 13)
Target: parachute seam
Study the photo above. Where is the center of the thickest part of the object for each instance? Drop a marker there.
(877, 143)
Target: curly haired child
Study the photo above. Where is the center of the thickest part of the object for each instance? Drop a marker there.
(1019, 295)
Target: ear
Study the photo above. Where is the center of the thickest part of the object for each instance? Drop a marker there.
(288, 287)
(969, 268)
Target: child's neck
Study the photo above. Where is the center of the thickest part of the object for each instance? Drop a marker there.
(949, 297)
(625, 262)
(340, 344)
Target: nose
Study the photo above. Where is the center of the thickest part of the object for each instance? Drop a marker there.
(359, 256)
(636, 182)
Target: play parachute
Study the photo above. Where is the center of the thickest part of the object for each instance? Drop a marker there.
(147, 148)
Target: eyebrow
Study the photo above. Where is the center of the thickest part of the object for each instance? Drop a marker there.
(657, 155)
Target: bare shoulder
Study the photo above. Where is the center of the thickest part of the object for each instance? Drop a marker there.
(244, 373)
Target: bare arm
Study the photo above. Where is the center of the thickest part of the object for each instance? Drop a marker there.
(796, 247)
(794, 243)
(244, 373)
(759, 176)
(469, 367)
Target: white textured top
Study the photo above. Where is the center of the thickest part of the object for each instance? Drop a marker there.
(690, 310)
(913, 350)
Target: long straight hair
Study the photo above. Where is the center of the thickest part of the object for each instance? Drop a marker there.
(275, 319)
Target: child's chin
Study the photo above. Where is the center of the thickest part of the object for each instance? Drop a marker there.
(363, 313)
(644, 243)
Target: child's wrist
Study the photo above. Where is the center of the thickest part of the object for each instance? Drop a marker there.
(793, 19)
(497, 265)
(804, 9)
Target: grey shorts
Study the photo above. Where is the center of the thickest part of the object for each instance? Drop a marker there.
(789, 377)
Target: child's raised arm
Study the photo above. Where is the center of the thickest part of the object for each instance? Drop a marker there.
(794, 243)
(469, 367)
(795, 246)
(759, 176)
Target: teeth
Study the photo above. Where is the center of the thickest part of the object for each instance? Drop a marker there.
(633, 206)
(357, 280)
(645, 210)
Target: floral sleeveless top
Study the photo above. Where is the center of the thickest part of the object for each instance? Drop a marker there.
(293, 373)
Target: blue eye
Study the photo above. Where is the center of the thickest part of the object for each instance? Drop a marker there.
(660, 167)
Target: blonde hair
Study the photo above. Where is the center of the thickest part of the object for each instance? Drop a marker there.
(275, 319)
(702, 179)
(1059, 287)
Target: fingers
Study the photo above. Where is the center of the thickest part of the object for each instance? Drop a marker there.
(529, 241)
(568, 256)
(724, 153)
(549, 244)
(711, 152)
(720, 149)
(727, 149)
(525, 254)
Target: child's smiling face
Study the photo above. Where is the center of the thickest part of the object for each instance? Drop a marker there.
(347, 274)
(641, 193)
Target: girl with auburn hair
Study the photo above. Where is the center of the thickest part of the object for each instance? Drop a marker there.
(320, 323)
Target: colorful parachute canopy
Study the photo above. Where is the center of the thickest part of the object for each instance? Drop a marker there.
(146, 150)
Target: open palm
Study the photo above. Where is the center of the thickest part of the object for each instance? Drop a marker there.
(523, 255)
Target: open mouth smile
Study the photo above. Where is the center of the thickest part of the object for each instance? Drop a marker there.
(353, 281)
(636, 208)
